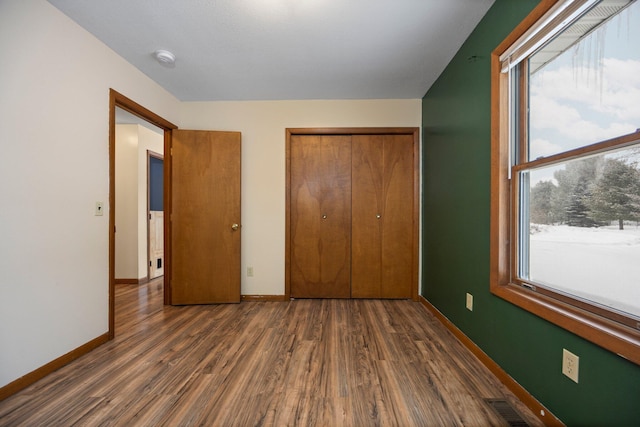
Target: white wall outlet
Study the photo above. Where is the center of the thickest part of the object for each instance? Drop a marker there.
(570, 364)
(99, 209)
(469, 302)
(249, 271)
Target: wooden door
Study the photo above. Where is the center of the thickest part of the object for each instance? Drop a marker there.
(320, 258)
(382, 216)
(205, 217)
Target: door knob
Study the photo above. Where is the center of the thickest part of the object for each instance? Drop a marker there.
(235, 227)
(324, 217)
(378, 216)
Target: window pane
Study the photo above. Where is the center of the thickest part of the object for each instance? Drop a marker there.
(582, 235)
(586, 89)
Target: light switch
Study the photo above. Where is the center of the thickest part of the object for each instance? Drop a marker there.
(99, 208)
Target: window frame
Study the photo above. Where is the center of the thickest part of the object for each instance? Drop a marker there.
(591, 325)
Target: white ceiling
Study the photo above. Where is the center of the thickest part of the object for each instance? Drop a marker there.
(284, 49)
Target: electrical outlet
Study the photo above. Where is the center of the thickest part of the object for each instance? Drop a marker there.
(570, 364)
(249, 271)
(469, 302)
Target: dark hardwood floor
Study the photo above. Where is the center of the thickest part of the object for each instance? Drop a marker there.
(304, 362)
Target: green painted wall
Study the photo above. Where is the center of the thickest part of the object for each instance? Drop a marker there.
(456, 183)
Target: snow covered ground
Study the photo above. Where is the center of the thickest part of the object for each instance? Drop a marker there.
(598, 264)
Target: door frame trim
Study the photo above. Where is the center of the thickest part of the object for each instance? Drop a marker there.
(117, 99)
(413, 131)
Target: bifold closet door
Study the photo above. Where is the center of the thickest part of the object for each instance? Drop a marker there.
(382, 216)
(320, 216)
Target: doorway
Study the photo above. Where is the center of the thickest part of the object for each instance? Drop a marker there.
(138, 175)
(119, 101)
(155, 215)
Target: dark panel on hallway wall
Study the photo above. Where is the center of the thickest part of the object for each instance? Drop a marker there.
(156, 167)
(456, 188)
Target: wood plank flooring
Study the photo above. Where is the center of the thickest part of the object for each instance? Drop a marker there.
(304, 362)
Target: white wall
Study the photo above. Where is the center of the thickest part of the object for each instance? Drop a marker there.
(126, 237)
(54, 95)
(263, 125)
(54, 86)
(132, 143)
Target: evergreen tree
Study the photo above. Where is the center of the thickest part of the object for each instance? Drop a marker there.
(578, 213)
(542, 199)
(574, 187)
(616, 194)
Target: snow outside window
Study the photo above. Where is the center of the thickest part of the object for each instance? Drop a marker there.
(565, 174)
(577, 165)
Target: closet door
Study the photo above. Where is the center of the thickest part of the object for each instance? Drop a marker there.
(320, 216)
(382, 216)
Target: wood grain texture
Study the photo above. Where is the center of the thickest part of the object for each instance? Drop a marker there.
(205, 204)
(382, 221)
(303, 362)
(403, 206)
(538, 409)
(368, 188)
(263, 298)
(321, 216)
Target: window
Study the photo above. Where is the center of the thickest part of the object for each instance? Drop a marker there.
(565, 216)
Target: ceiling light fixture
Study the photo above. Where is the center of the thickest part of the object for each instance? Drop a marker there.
(165, 58)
